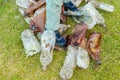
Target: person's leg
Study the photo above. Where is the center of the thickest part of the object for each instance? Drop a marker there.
(53, 11)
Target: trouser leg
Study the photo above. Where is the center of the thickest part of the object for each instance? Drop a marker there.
(53, 11)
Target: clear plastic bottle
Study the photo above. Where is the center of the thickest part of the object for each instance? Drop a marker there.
(63, 28)
(47, 45)
(39, 34)
(30, 43)
(103, 6)
(23, 3)
(91, 16)
(69, 63)
(82, 58)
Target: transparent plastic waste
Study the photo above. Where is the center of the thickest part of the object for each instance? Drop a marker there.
(95, 15)
(77, 2)
(23, 3)
(21, 10)
(69, 63)
(86, 19)
(39, 34)
(30, 43)
(103, 6)
(47, 45)
(73, 13)
(92, 16)
(33, 7)
(82, 58)
(63, 28)
(40, 10)
(27, 19)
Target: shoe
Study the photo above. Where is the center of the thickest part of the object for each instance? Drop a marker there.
(69, 65)
(69, 5)
(71, 9)
(73, 13)
(60, 41)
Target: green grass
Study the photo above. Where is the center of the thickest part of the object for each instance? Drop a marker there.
(15, 66)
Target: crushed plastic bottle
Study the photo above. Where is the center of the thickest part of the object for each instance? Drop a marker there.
(47, 45)
(73, 13)
(35, 6)
(21, 10)
(39, 34)
(40, 10)
(82, 58)
(92, 16)
(86, 19)
(27, 19)
(30, 43)
(103, 6)
(63, 28)
(69, 63)
(23, 3)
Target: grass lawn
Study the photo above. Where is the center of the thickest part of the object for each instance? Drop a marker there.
(15, 66)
